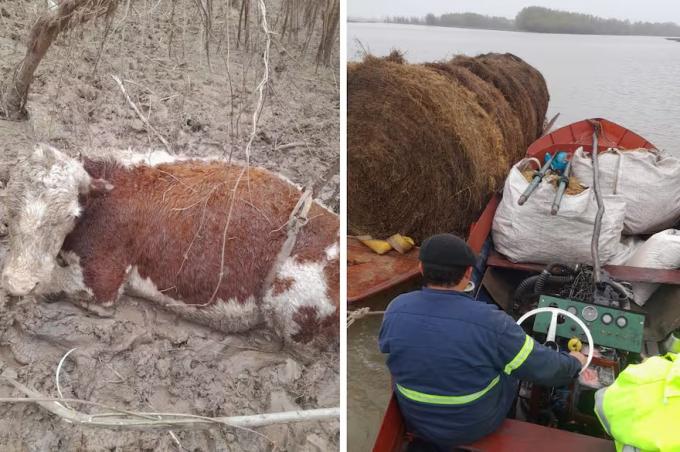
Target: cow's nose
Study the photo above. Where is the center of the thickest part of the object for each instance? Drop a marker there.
(18, 286)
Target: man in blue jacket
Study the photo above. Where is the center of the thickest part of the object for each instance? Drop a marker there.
(456, 362)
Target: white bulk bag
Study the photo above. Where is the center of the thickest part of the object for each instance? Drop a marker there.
(649, 182)
(662, 250)
(529, 233)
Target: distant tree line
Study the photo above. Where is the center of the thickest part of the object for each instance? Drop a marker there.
(460, 20)
(544, 20)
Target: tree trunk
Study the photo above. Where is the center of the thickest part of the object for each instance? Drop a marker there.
(329, 35)
(69, 14)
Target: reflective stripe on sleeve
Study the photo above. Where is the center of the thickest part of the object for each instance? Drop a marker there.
(521, 356)
(446, 400)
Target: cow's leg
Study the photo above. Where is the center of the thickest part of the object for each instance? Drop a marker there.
(298, 306)
(68, 283)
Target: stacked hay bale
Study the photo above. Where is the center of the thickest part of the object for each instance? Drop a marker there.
(428, 144)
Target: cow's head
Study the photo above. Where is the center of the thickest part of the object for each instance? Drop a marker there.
(42, 208)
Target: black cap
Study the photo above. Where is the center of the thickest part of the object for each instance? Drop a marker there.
(445, 251)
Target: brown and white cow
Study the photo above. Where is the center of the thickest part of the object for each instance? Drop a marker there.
(153, 226)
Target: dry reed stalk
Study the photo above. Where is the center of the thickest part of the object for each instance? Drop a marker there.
(255, 120)
(141, 116)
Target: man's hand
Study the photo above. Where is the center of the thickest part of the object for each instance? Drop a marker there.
(580, 356)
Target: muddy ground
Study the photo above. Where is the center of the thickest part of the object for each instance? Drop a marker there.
(144, 358)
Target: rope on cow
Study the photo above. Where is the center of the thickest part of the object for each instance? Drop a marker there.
(360, 313)
(297, 219)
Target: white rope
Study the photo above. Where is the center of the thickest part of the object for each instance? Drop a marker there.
(56, 374)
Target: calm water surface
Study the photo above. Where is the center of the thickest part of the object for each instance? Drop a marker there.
(634, 81)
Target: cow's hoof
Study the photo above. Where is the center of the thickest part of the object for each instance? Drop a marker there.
(98, 309)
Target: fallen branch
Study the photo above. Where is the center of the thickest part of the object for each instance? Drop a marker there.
(129, 420)
(141, 116)
(290, 146)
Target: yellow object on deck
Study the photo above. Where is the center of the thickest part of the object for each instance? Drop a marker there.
(378, 246)
(401, 243)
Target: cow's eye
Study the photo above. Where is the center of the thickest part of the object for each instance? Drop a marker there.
(61, 262)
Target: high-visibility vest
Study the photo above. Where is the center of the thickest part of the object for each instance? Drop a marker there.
(641, 410)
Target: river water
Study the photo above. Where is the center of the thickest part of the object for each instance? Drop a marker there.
(634, 81)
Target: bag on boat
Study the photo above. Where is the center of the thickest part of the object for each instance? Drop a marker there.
(662, 250)
(647, 181)
(529, 233)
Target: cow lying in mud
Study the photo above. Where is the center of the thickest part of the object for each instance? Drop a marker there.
(95, 228)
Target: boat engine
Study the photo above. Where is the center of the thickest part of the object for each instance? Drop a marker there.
(617, 331)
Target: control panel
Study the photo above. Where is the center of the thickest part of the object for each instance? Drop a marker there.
(610, 327)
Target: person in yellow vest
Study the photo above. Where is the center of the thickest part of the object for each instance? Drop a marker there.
(641, 410)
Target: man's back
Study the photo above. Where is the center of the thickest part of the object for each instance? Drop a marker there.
(455, 363)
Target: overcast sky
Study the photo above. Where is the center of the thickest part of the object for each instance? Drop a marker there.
(643, 10)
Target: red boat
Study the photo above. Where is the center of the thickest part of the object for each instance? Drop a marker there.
(372, 277)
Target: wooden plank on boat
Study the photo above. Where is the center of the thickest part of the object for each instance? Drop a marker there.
(369, 273)
(619, 272)
(518, 436)
(392, 434)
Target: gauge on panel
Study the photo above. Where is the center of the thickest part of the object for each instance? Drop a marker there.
(572, 310)
(589, 313)
(621, 322)
(607, 318)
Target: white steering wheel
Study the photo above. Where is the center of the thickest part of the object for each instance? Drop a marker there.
(552, 329)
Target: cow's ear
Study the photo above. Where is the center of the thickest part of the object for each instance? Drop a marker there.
(99, 187)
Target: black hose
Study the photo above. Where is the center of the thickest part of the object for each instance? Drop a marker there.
(526, 286)
(547, 278)
(554, 273)
(536, 284)
(540, 282)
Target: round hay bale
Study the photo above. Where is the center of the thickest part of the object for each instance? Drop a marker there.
(423, 155)
(522, 86)
(428, 144)
(493, 102)
(530, 78)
